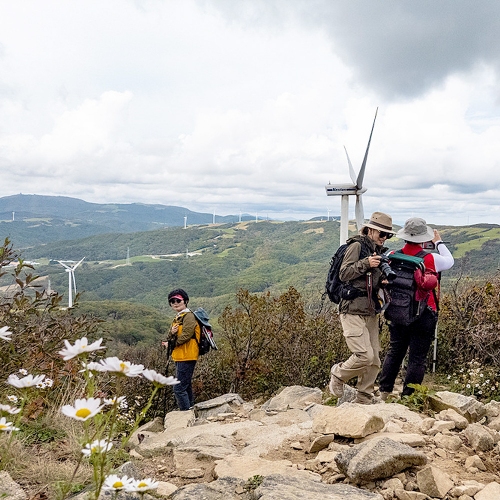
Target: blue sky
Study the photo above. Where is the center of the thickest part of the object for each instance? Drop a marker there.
(228, 106)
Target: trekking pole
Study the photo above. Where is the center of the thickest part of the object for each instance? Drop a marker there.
(434, 357)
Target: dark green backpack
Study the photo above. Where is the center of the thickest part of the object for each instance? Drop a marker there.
(404, 309)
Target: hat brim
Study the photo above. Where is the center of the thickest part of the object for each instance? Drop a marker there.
(379, 227)
(180, 297)
(418, 238)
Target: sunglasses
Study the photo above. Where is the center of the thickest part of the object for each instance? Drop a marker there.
(383, 234)
(174, 301)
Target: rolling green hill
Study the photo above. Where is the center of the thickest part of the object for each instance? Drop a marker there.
(213, 262)
(31, 220)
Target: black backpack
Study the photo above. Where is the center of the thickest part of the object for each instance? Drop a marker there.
(403, 308)
(334, 287)
(207, 342)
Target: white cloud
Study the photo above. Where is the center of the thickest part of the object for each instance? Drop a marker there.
(207, 106)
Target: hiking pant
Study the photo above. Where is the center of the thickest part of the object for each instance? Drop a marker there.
(183, 391)
(361, 334)
(416, 338)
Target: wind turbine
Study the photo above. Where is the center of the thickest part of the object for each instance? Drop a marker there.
(72, 282)
(354, 189)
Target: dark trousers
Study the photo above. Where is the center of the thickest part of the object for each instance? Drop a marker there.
(183, 391)
(415, 338)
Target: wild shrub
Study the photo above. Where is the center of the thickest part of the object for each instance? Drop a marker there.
(469, 325)
(272, 342)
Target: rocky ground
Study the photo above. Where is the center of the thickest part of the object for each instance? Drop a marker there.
(295, 447)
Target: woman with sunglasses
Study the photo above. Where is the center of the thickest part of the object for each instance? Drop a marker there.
(185, 337)
(359, 314)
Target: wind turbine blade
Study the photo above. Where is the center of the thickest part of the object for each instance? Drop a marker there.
(77, 264)
(359, 182)
(63, 264)
(74, 282)
(351, 170)
(360, 216)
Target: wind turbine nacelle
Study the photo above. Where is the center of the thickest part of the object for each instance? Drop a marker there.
(343, 189)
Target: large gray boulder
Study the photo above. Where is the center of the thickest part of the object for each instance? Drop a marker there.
(293, 397)
(347, 420)
(467, 406)
(292, 488)
(216, 406)
(377, 459)
(247, 467)
(276, 487)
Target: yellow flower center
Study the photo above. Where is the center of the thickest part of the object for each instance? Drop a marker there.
(142, 484)
(83, 412)
(3, 427)
(123, 366)
(118, 484)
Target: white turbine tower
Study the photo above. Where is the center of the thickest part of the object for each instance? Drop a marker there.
(354, 189)
(72, 282)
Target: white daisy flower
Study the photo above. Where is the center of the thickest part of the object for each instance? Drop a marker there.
(9, 409)
(28, 381)
(81, 346)
(121, 401)
(22, 371)
(12, 399)
(116, 483)
(143, 485)
(116, 365)
(93, 366)
(98, 446)
(158, 378)
(7, 426)
(83, 409)
(5, 333)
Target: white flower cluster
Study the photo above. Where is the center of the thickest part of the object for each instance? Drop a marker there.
(116, 483)
(98, 446)
(7, 426)
(5, 333)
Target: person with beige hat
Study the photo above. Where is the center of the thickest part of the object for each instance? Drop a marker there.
(416, 338)
(359, 313)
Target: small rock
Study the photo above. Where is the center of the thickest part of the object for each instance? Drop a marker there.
(191, 473)
(452, 443)
(165, 489)
(393, 483)
(321, 442)
(479, 438)
(474, 461)
(433, 482)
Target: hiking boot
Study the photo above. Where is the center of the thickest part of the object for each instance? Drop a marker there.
(364, 398)
(384, 395)
(336, 386)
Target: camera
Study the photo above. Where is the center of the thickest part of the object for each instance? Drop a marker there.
(386, 268)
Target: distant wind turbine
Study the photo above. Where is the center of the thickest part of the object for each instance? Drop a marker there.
(354, 189)
(71, 279)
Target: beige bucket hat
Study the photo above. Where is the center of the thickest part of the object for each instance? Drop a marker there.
(380, 221)
(416, 230)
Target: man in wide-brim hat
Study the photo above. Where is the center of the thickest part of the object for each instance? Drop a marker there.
(359, 308)
(416, 338)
